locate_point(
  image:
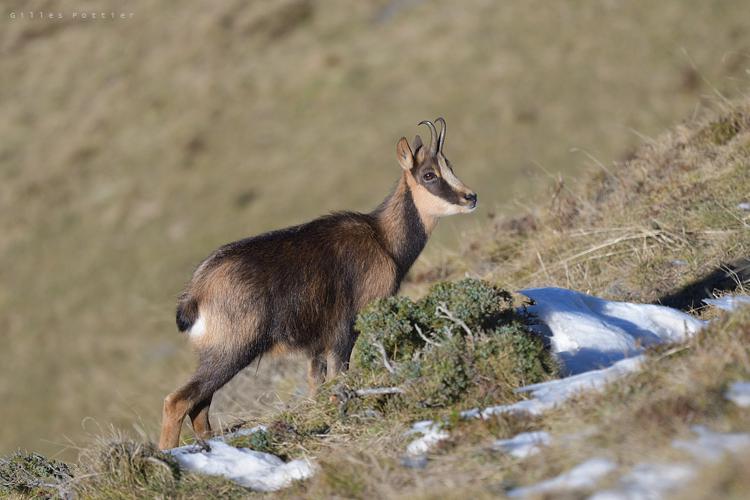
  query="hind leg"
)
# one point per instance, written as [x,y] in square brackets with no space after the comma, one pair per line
[199,419]
[194,398]
[189,399]
[176,406]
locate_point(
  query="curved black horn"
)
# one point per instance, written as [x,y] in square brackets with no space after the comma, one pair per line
[433,134]
[441,137]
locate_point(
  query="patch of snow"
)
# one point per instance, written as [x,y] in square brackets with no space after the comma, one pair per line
[523,445]
[744,205]
[648,481]
[711,446]
[654,480]
[728,302]
[547,395]
[557,391]
[252,469]
[421,427]
[587,332]
[584,475]
[739,393]
[432,434]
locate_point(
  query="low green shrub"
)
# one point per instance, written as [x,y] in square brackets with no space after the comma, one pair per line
[463,340]
[261,440]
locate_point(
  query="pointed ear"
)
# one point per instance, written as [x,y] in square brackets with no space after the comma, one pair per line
[417,142]
[421,155]
[404,154]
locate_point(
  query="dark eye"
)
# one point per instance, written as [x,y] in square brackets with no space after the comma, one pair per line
[429,176]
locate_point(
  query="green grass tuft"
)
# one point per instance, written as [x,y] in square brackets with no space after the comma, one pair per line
[724,129]
[119,468]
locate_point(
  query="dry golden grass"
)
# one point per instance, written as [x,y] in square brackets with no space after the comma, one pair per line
[694,179]
[639,231]
[131,149]
[597,234]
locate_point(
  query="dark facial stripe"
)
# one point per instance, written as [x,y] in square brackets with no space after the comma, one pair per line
[439,187]
[442,189]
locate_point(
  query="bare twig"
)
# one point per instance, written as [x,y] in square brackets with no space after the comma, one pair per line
[377,391]
[442,312]
[424,337]
[343,395]
[673,351]
[386,363]
[447,332]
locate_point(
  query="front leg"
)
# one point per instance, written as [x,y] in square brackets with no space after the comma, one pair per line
[316,373]
[338,358]
[335,365]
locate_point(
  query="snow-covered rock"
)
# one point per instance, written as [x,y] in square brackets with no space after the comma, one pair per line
[728,302]
[523,445]
[710,446]
[252,469]
[584,475]
[587,332]
[432,434]
[648,481]
[652,481]
[547,395]
[739,393]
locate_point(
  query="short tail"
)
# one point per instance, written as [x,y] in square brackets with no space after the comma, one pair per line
[187,312]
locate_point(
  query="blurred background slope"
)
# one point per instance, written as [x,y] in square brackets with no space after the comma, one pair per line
[129,149]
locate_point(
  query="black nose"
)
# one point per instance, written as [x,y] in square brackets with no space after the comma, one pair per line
[472,197]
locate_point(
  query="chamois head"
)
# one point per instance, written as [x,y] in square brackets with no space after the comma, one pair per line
[436,190]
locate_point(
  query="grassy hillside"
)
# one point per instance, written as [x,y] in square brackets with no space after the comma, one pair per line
[678,203]
[666,226]
[130,149]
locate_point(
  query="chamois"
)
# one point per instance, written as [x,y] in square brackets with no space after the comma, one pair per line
[301,288]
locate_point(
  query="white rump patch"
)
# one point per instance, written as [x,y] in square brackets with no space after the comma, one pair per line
[198,328]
